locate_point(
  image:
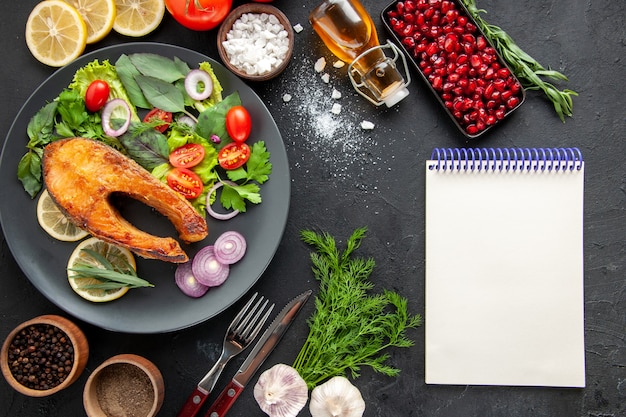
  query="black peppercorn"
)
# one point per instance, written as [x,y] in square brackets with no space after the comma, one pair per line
[40,356]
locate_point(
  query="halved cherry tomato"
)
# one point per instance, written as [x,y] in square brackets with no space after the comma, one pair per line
[97,95]
[187,156]
[186,182]
[233,155]
[238,123]
[162,115]
[199,14]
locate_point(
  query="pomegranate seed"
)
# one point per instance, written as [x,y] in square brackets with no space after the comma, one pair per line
[432,49]
[481,43]
[461,20]
[503,72]
[451,43]
[512,102]
[471,129]
[475,61]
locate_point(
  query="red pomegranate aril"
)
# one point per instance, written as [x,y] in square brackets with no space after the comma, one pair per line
[475,61]
[512,102]
[462,69]
[451,43]
[462,20]
[453,77]
[432,49]
[462,59]
[503,72]
[491,120]
[499,84]
[471,129]
[481,43]
[437,83]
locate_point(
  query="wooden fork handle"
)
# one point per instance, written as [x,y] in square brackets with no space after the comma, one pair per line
[193,403]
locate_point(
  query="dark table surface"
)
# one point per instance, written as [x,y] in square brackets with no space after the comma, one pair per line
[343,177]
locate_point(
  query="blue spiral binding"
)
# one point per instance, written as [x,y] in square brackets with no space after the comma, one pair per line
[506,159]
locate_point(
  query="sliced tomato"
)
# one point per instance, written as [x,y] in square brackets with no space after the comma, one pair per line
[238,123]
[162,115]
[186,182]
[187,156]
[233,155]
[199,14]
[97,95]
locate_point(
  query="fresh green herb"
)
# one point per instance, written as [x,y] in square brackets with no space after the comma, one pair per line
[247,179]
[112,276]
[525,67]
[350,328]
[212,121]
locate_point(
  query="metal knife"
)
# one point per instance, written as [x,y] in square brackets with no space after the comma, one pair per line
[257,356]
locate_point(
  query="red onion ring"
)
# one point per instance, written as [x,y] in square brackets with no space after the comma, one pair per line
[107,112]
[207,269]
[193,79]
[213,213]
[229,247]
[187,283]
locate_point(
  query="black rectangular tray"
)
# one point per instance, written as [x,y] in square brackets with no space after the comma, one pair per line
[461,123]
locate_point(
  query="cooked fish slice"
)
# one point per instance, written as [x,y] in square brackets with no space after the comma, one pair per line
[82,174]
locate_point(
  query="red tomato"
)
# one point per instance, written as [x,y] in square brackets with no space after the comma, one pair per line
[187,156]
[186,182]
[165,116]
[233,155]
[97,95]
[199,14]
[238,123]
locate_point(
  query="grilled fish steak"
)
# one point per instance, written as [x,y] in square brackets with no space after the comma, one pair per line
[82,174]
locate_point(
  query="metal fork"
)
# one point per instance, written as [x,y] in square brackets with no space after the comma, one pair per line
[242,331]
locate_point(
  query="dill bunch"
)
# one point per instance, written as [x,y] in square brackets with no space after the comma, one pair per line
[350,328]
[531,73]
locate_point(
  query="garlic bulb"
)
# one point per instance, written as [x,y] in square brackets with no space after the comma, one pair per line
[281,391]
[337,397]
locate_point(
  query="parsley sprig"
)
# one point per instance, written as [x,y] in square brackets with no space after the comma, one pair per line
[531,73]
[350,328]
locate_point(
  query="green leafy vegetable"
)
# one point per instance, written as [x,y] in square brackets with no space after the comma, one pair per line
[126,71]
[95,70]
[212,121]
[159,67]
[147,146]
[350,328]
[161,94]
[525,67]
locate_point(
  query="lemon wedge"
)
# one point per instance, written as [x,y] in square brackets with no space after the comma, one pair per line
[99,16]
[54,222]
[56,33]
[117,255]
[137,18]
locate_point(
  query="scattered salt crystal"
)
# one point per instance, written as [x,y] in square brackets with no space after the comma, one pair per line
[326,77]
[320,64]
[338,64]
[336,109]
[298,28]
[286,97]
[335,94]
[367,125]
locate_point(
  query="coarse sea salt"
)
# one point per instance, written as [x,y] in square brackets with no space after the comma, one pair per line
[257,43]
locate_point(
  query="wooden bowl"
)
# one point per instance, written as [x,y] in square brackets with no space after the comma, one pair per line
[15,349]
[123,383]
[226,26]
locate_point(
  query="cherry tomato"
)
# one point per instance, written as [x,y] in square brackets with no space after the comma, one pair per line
[199,14]
[187,156]
[186,182]
[163,115]
[97,95]
[238,123]
[233,155]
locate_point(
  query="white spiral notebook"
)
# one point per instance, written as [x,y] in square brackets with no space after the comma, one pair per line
[504,267]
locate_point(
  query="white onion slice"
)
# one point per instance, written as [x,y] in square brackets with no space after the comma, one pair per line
[107,113]
[198,78]
[209,209]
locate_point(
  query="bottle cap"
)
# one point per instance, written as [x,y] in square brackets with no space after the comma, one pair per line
[395,97]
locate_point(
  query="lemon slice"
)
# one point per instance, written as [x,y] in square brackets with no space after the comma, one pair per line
[54,222]
[117,255]
[99,16]
[56,34]
[138,17]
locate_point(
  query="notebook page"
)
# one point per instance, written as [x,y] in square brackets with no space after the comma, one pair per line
[504,278]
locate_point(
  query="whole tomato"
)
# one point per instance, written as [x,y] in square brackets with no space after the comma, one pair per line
[199,14]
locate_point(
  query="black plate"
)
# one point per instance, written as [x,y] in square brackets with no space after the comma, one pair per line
[163,308]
